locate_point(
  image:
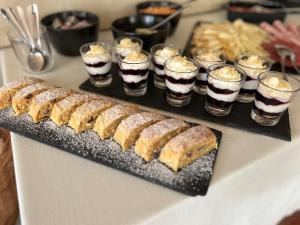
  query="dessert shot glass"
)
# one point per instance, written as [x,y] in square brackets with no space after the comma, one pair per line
[274,94]
[122,46]
[223,85]
[205,61]
[22,50]
[180,81]
[253,67]
[160,53]
[98,61]
[135,74]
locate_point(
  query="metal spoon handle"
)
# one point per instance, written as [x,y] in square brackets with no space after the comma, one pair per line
[13,21]
[294,65]
[282,63]
[169,17]
[36,22]
[25,24]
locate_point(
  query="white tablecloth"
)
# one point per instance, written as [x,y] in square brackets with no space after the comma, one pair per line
[255,180]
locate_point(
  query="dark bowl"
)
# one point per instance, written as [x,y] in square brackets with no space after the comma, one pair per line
[126,27]
[254,17]
[175,5]
[68,42]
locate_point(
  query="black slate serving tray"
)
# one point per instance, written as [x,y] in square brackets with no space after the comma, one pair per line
[155,98]
[192,180]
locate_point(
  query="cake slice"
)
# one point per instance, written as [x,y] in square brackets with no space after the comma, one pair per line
[8,91]
[107,122]
[42,104]
[154,137]
[130,128]
[63,109]
[187,147]
[84,116]
[22,99]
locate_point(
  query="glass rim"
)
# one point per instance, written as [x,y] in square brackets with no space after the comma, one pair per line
[144,52]
[248,67]
[221,60]
[282,74]
[243,77]
[14,36]
[130,37]
[188,58]
[104,44]
[163,45]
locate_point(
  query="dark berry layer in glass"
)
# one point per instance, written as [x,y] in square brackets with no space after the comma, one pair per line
[268,101]
[264,113]
[159,66]
[217,103]
[202,70]
[247,91]
[180,80]
[98,75]
[135,72]
[200,82]
[98,64]
[132,85]
[218,90]
[178,94]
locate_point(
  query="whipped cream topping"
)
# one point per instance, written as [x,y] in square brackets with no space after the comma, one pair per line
[97,53]
[253,61]
[167,52]
[127,43]
[278,83]
[135,57]
[181,64]
[209,56]
[96,50]
[276,88]
[226,73]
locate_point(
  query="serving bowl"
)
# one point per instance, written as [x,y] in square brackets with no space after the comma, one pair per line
[126,26]
[173,5]
[68,42]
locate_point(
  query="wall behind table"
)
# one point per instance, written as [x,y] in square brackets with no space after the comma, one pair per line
[108,10]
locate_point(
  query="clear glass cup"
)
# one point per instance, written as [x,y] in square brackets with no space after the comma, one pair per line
[98,66]
[120,52]
[270,103]
[21,49]
[248,90]
[135,75]
[222,93]
[201,80]
[180,84]
[158,62]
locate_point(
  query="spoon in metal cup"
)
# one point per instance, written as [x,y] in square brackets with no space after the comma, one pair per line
[36,59]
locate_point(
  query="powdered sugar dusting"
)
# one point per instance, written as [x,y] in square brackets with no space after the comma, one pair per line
[192,180]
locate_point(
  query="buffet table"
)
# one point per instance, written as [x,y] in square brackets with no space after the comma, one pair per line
[255,180]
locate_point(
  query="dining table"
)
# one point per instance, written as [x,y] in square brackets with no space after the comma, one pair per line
[255,180]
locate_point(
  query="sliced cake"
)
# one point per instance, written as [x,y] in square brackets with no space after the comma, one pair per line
[41,105]
[22,99]
[63,109]
[107,122]
[8,91]
[187,147]
[84,116]
[154,137]
[130,128]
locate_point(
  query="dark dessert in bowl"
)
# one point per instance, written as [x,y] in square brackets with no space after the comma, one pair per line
[126,26]
[160,9]
[69,30]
